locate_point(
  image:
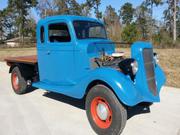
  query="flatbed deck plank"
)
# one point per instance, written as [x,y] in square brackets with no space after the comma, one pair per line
[32,59]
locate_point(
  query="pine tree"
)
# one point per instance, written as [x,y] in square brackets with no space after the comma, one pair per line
[98,14]
[21,9]
[126,13]
[130,33]
[74,8]
[142,21]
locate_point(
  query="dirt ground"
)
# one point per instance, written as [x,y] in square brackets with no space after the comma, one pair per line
[169,60]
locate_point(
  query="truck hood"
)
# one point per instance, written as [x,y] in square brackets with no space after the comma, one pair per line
[94,47]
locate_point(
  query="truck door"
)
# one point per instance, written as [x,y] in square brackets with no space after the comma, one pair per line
[55,56]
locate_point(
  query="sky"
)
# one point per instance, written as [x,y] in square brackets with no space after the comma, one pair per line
[157,12]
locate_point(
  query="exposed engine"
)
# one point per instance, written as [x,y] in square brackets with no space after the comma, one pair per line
[110,60]
[117,61]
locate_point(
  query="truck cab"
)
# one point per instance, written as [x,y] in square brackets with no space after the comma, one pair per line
[64,50]
[75,58]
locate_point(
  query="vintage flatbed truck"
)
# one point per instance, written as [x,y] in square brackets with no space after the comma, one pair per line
[75,58]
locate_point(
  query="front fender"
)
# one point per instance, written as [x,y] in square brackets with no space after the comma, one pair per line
[122,85]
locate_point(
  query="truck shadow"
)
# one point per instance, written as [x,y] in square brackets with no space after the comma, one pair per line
[137,110]
[80,103]
[31,89]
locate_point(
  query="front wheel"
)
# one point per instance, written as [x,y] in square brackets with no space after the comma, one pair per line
[105,113]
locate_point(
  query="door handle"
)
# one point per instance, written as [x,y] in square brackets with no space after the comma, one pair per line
[48,52]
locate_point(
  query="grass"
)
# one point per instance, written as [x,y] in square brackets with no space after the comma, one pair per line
[169,60]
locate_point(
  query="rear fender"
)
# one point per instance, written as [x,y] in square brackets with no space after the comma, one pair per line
[26,70]
[13,66]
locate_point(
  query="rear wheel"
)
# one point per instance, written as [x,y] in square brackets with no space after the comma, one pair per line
[105,113]
[18,81]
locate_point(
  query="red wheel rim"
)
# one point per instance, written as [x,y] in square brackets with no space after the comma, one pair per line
[15,81]
[102,123]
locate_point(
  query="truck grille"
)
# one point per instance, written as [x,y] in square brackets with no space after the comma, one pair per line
[149,70]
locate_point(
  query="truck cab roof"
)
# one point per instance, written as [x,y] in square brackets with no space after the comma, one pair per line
[69,18]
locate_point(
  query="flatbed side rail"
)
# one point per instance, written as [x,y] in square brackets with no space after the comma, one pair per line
[32,60]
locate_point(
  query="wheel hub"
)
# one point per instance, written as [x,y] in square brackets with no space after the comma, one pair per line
[102,111]
[15,81]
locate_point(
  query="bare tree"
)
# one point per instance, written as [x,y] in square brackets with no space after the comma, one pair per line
[46,8]
[174,21]
[151,3]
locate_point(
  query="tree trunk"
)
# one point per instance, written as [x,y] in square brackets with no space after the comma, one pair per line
[151,31]
[19,34]
[174,22]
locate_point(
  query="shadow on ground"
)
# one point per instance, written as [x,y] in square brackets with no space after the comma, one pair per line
[137,110]
[80,103]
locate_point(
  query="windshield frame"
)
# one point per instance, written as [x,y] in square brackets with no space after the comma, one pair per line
[91,21]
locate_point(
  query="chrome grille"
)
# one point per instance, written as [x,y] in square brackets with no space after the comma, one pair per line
[149,70]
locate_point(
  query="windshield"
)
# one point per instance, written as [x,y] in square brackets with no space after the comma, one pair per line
[88,29]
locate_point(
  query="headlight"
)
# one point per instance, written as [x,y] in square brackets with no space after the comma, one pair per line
[129,67]
[134,66]
[156,58]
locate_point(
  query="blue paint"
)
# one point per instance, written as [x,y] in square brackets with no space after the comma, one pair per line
[65,67]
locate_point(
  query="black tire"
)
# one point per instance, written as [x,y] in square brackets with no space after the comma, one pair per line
[21,86]
[118,111]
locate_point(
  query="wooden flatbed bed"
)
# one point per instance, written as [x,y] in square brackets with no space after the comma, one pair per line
[32,60]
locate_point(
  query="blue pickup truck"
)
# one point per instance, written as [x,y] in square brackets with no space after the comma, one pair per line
[75,58]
